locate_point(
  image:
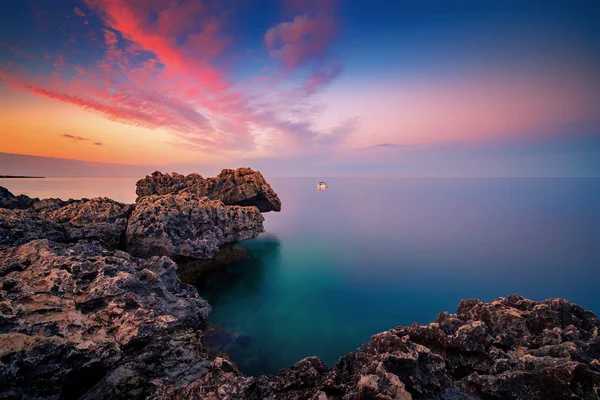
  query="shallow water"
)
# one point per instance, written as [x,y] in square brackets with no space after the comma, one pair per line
[365,255]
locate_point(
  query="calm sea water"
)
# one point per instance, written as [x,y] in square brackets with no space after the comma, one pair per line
[365,255]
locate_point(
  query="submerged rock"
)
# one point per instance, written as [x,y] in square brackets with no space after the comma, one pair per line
[242,187]
[184,225]
[10,201]
[511,348]
[196,271]
[81,321]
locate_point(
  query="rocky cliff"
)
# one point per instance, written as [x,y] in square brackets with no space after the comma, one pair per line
[184,225]
[10,201]
[242,187]
[174,215]
[81,321]
[81,318]
[99,219]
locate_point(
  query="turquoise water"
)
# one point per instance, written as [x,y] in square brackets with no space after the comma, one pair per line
[366,255]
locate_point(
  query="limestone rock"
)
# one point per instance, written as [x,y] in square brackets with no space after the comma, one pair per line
[243,187]
[183,225]
[21,226]
[99,219]
[10,201]
[79,320]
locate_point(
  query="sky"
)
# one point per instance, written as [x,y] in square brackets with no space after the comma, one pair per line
[301,88]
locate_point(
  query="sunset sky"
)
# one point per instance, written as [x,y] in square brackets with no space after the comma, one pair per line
[313,88]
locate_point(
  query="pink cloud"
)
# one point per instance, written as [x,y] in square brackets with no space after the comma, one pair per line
[159,71]
[78,12]
[321,75]
[300,41]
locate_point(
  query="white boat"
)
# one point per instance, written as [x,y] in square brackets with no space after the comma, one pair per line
[321,185]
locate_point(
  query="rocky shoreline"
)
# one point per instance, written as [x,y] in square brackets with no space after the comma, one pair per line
[91,307]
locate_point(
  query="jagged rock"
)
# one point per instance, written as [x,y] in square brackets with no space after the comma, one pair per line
[81,321]
[10,201]
[21,226]
[510,348]
[242,187]
[100,219]
[184,225]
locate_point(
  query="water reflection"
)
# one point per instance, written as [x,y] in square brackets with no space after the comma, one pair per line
[234,293]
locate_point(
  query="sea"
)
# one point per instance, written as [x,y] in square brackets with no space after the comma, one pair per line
[336,266]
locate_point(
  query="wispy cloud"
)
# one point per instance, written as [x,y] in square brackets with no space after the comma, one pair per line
[387,146]
[78,12]
[160,66]
[75,138]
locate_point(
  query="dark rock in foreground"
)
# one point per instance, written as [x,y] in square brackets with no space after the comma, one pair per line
[80,321]
[511,348]
[183,225]
[242,187]
[10,201]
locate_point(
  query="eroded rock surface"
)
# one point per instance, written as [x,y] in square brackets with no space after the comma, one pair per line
[511,348]
[81,321]
[185,225]
[18,227]
[242,187]
[99,219]
[10,201]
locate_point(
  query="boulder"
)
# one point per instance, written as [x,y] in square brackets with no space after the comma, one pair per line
[185,225]
[242,187]
[81,321]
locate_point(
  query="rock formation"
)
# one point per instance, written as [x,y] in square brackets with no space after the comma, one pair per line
[99,219]
[183,225]
[510,348]
[79,320]
[10,201]
[21,226]
[242,187]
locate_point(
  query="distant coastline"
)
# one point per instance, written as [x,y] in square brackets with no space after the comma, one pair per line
[18,177]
